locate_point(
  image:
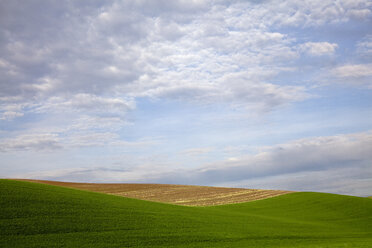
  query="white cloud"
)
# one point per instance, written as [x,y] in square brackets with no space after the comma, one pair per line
[343,158]
[103,139]
[9,115]
[67,139]
[111,43]
[303,13]
[350,181]
[38,142]
[364,47]
[10,111]
[197,151]
[353,71]
[177,50]
[340,164]
[318,48]
[88,102]
[168,50]
[84,122]
[359,13]
[356,75]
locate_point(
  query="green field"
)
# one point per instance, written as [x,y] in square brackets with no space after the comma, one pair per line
[38,215]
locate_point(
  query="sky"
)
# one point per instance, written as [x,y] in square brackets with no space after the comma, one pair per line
[253,94]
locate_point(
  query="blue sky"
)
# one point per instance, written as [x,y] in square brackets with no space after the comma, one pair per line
[255,94]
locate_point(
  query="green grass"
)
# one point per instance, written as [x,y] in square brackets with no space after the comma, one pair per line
[38,215]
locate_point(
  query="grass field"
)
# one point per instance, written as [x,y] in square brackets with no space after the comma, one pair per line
[39,215]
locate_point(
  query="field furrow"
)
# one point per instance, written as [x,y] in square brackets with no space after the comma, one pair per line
[187,195]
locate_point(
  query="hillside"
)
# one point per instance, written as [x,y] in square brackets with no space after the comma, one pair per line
[186,195]
[40,215]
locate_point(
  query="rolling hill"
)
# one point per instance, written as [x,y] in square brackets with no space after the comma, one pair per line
[187,195]
[40,215]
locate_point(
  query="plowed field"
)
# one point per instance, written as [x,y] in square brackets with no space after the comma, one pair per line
[175,194]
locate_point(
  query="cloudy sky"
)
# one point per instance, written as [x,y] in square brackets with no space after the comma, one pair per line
[256,94]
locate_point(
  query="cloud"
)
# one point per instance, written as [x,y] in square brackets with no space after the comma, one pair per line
[10,111]
[36,142]
[50,63]
[68,140]
[103,139]
[312,154]
[307,13]
[353,74]
[84,122]
[350,181]
[359,13]
[318,48]
[332,161]
[9,115]
[344,158]
[364,47]
[108,50]
[156,49]
[353,71]
[197,151]
[107,42]
[87,103]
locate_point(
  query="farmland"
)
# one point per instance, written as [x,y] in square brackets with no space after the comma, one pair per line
[186,195]
[40,215]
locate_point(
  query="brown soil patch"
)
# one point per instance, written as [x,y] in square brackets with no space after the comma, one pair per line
[175,194]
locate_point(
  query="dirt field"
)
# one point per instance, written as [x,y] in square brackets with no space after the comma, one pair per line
[174,194]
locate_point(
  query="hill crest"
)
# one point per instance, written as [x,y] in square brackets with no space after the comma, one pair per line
[187,195]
